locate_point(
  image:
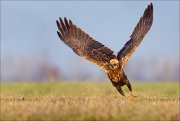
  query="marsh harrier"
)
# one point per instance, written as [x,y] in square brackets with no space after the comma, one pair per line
[87,47]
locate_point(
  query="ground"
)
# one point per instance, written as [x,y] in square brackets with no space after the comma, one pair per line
[89,101]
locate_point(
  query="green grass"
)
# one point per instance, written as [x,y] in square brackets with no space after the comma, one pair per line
[89,101]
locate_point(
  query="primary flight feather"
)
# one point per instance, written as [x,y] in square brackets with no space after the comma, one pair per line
[87,47]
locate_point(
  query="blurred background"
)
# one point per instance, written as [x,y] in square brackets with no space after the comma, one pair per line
[32,51]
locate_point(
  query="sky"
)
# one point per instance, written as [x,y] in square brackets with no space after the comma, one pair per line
[29,28]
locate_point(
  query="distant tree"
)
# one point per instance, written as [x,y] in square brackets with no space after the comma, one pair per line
[29,68]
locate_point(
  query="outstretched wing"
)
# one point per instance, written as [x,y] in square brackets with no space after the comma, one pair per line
[83,45]
[137,36]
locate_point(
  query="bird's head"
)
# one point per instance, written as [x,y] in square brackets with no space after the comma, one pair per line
[121,83]
[114,63]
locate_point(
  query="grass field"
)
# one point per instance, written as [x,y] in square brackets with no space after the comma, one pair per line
[89,101]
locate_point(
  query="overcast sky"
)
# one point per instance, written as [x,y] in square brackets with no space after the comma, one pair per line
[29,28]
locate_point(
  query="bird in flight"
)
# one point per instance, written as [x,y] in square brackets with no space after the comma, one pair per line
[87,47]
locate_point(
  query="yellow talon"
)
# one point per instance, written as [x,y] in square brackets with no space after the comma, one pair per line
[133,95]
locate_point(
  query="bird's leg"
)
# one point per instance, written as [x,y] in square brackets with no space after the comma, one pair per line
[120,90]
[130,89]
[129,85]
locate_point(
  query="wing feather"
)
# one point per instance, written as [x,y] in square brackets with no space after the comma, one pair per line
[83,45]
[137,36]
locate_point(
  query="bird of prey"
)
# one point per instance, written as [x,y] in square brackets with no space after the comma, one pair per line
[87,47]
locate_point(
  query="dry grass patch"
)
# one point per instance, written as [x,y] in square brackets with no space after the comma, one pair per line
[88,101]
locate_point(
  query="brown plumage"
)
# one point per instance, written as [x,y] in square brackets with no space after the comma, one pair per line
[85,46]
